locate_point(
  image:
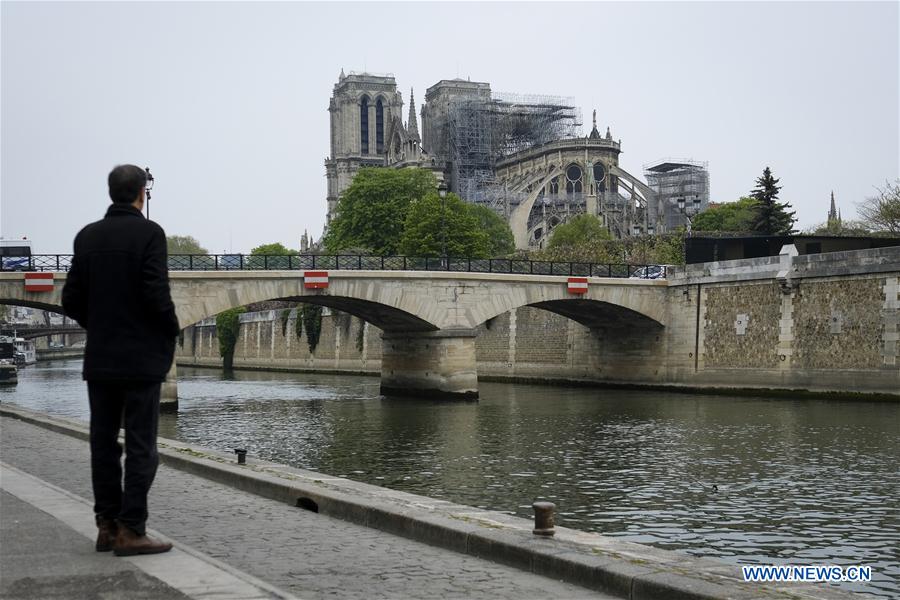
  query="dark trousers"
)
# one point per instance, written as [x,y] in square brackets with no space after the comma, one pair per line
[139,405]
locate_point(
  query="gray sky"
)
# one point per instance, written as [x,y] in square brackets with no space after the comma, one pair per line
[226,102]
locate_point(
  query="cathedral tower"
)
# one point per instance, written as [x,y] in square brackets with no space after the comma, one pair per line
[362,110]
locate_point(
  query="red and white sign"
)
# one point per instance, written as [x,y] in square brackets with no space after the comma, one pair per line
[578,285]
[315,280]
[38,282]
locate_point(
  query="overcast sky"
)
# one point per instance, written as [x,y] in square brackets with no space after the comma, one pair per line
[227,102]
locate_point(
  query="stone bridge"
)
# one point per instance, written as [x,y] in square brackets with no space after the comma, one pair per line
[428,318]
[30,332]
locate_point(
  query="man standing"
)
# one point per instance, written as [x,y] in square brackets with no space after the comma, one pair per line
[118,290]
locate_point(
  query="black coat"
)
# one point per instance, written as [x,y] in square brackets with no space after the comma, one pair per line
[118,290]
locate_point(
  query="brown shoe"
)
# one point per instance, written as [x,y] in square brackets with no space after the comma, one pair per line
[128,543]
[106,534]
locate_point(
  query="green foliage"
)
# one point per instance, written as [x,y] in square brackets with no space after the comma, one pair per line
[361,336]
[184,244]
[840,228]
[666,249]
[311,315]
[372,211]
[737,217]
[228,326]
[881,213]
[273,249]
[285,317]
[434,224]
[584,239]
[500,237]
[583,229]
[298,322]
[772,218]
[654,249]
[270,256]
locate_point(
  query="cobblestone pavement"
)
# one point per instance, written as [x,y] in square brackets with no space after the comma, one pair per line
[310,555]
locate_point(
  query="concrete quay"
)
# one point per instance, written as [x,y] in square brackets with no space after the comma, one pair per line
[251,517]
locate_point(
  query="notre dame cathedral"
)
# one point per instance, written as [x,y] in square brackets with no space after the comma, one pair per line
[523,156]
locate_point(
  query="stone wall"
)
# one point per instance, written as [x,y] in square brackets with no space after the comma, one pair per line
[822,323]
[741,326]
[838,325]
[268,339]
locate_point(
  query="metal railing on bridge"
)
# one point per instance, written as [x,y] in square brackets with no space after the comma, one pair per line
[357,262]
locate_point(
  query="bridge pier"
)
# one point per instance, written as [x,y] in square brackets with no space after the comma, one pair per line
[434,364]
[168,395]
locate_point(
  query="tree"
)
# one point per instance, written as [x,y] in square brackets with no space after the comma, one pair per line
[228,327]
[736,217]
[277,256]
[881,213]
[436,225]
[840,228]
[273,249]
[184,244]
[500,236]
[371,212]
[583,229]
[582,239]
[772,218]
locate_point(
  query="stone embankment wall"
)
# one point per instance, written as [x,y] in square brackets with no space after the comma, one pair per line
[824,322]
[820,322]
[528,342]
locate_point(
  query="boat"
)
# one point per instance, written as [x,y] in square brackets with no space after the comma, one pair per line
[8,371]
[26,350]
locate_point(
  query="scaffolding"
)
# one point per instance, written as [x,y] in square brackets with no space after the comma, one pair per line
[682,189]
[480,132]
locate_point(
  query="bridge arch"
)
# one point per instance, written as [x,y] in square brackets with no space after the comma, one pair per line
[51,305]
[639,304]
[597,314]
[389,310]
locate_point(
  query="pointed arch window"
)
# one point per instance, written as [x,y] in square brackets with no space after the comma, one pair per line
[379,126]
[364,125]
[574,177]
[600,177]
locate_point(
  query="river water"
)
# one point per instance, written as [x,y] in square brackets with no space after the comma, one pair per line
[746,480]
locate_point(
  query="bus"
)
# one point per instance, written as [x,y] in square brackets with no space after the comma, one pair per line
[15,255]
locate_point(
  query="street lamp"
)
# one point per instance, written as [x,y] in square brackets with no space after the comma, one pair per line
[148,187]
[687,217]
[442,192]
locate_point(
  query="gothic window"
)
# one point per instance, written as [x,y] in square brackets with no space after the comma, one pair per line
[573,179]
[364,125]
[379,127]
[599,175]
[554,186]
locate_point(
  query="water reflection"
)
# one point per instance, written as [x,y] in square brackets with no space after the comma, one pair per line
[744,479]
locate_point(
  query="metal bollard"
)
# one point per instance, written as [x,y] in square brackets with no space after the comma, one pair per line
[543,518]
[242,455]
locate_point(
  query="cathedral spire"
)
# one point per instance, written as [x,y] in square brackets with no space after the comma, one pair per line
[412,126]
[832,213]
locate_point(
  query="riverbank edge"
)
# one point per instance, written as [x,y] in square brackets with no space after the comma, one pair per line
[590,560]
[707,390]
